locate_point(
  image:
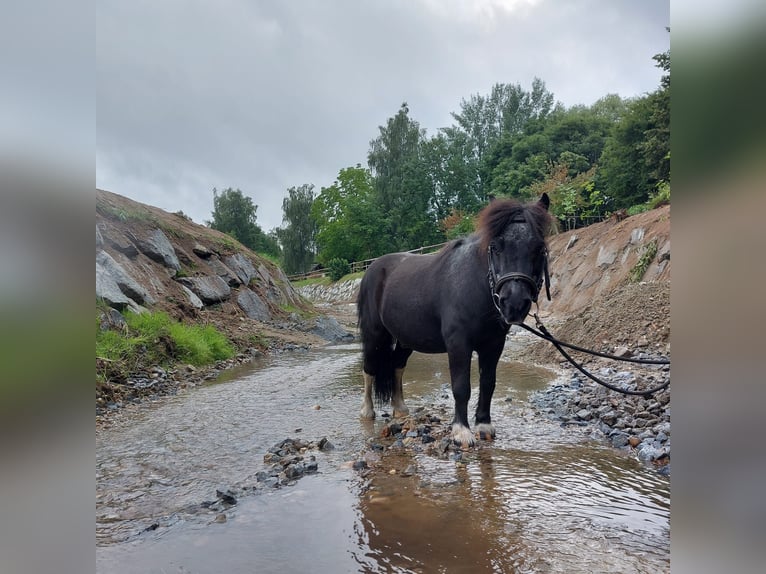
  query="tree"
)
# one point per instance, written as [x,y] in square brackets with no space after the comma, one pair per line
[348,222]
[623,170]
[298,234]
[656,145]
[235,214]
[402,189]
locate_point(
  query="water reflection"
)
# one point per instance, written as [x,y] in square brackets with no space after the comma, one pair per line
[540,499]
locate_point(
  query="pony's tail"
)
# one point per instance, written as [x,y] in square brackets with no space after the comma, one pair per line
[377,342]
[382,365]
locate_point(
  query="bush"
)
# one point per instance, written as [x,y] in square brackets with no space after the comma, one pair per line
[338,268]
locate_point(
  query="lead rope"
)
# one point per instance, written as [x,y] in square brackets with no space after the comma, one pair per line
[543,333]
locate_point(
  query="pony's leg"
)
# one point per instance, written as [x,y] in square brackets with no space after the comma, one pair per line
[367,412]
[488,359]
[397,399]
[460,375]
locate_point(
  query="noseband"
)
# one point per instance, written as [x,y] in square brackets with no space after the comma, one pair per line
[495,282]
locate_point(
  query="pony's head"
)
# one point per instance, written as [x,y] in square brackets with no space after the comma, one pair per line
[513,237]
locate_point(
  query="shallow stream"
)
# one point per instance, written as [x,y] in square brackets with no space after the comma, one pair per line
[541,498]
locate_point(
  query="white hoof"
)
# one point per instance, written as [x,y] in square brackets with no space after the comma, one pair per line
[367,412]
[485,431]
[462,435]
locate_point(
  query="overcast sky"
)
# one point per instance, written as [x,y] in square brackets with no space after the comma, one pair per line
[266,95]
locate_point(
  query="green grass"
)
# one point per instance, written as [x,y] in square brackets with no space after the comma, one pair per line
[157,339]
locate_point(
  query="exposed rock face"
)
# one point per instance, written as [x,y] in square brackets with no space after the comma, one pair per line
[163,261]
[156,246]
[242,266]
[210,289]
[114,285]
[253,306]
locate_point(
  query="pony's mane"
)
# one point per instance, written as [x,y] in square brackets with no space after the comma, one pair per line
[499,213]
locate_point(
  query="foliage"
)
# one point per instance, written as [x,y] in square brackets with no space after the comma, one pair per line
[347,218]
[457,224]
[298,236]
[235,214]
[338,268]
[157,339]
[661,196]
[647,255]
[511,142]
[403,190]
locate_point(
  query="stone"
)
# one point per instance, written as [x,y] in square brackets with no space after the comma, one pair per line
[226,495]
[622,352]
[158,248]
[194,301]
[634,441]
[242,266]
[253,306]
[209,288]
[201,251]
[295,470]
[217,266]
[114,285]
[120,242]
[584,414]
[605,257]
[329,329]
[112,319]
[619,440]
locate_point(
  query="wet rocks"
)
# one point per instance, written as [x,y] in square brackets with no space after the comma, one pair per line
[635,423]
[287,462]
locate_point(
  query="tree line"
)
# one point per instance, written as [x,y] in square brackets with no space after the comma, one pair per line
[512,142]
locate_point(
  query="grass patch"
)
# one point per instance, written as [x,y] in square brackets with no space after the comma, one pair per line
[157,339]
[639,269]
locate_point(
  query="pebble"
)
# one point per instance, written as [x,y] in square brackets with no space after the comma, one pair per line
[627,422]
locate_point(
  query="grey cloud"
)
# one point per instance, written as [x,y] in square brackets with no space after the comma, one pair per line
[268,95]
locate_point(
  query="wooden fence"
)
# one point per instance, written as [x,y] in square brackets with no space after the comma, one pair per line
[358,266]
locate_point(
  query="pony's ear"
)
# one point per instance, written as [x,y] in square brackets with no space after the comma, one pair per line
[545,201]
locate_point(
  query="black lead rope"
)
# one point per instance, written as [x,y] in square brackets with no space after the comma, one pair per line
[543,333]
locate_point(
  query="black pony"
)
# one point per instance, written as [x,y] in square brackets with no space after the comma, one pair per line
[462,299]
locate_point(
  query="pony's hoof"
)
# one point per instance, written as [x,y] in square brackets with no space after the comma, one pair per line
[462,436]
[401,411]
[367,414]
[485,431]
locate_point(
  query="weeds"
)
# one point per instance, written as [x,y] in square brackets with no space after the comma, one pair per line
[639,269]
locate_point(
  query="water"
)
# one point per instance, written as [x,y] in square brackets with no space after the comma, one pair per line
[541,498]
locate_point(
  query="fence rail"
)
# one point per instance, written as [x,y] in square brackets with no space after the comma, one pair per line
[358,266]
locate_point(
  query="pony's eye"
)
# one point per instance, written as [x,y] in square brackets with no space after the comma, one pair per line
[497,245]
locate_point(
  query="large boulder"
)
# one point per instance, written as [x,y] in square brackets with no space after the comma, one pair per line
[330,330]
[253,306]
[210,289]
[242,266]
[156,246]
[115,285]
[223,271]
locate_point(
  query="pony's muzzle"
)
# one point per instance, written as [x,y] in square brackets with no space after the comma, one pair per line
[514,301]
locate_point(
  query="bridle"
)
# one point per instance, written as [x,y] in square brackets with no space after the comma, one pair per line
[495,282]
